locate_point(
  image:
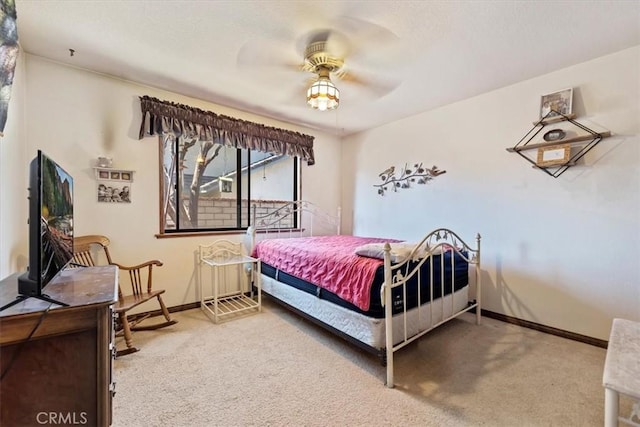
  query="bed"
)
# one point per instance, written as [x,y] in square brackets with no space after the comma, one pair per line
[378,293]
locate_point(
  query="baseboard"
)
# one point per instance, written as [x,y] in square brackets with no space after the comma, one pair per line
[546,329]
[502,317]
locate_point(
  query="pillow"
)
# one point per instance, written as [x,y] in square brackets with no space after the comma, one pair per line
[400,251]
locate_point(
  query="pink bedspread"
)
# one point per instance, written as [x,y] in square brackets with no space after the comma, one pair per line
[329,262]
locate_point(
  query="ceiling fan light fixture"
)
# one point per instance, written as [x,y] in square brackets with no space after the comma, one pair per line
[323,95]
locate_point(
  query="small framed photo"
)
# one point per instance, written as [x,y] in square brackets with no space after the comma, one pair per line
[125,176]
[113,192]
[556,155]
[556,103]
[103,174]
[115,175]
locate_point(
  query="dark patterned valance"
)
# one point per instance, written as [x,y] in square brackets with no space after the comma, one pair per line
[163,117]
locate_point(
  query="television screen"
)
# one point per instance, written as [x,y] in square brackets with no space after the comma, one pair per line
[56,219]
[50,228]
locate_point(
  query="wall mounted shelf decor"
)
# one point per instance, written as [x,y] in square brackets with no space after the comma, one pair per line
[114,185]
[559,149]
[108,174]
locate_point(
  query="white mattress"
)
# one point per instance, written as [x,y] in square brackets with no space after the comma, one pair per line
[366,329]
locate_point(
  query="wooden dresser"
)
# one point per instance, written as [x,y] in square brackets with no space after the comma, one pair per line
[62,374]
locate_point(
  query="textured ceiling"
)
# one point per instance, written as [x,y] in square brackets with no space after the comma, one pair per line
[431,53]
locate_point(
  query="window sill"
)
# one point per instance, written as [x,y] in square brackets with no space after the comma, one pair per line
[223,232]
[198,233]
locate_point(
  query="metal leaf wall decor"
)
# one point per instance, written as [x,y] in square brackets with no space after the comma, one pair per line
[418,174]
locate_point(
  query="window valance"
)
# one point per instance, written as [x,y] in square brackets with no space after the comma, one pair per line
[164,117]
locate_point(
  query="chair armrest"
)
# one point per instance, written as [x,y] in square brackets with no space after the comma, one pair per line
[136,275]
[139,266]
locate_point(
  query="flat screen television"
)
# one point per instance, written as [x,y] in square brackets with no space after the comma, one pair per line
[50,226]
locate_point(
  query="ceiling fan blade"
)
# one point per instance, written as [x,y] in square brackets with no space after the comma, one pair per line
[359,30]
[379,86]
[347,36]
[365,36]
[264,53]
[296,95]
[336,43]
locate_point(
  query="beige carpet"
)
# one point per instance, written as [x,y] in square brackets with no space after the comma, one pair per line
[276,369]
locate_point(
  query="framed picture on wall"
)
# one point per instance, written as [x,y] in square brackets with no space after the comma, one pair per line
[113,192]
[109,174]
[556,155]
[9,50]
[556,103]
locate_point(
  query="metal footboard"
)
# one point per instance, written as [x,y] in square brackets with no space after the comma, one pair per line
[437,242]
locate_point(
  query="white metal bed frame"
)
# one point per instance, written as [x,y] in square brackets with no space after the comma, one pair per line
[310,216]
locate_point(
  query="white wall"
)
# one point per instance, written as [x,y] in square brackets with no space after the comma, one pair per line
[561,252]
[14,167]
[74,116]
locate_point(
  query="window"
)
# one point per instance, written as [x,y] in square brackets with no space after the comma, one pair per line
[207,186]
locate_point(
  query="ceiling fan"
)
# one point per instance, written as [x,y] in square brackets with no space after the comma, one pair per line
[322,94]
[328,53]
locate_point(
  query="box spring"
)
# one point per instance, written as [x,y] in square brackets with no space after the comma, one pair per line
[376,310]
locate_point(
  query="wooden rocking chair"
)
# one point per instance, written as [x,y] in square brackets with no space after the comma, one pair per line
[83,255]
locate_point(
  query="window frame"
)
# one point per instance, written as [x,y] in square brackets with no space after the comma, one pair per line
[239,228]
